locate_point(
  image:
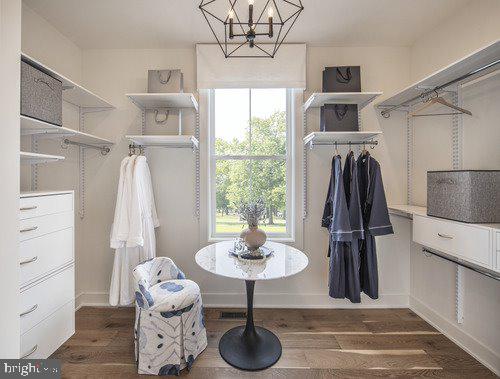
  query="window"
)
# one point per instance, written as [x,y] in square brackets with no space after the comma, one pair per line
[250,159]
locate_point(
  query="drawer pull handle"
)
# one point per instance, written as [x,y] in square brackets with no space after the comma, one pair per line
[445,236]
[32,309]
[35,348]
[28,208]
[29,229]
[29,260]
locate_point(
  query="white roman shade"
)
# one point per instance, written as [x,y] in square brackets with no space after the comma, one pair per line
[286,70]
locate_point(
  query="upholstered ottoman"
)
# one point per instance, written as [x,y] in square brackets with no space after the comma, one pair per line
[169,326]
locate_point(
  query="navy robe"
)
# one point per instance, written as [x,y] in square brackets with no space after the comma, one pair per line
[350,176]
[375,219]
[336,219]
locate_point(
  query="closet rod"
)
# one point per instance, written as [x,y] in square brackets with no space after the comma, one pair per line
[462,263]
[104,149]
[424,95]
[333,143]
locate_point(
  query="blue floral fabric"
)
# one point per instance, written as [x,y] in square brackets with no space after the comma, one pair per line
[170,328]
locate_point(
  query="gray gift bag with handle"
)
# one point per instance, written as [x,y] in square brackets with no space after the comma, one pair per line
[165,81]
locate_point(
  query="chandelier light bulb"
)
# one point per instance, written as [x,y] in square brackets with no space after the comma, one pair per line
[270,12]
[231,14]
[250,2]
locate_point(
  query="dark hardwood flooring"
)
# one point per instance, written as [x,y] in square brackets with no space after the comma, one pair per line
[361,343]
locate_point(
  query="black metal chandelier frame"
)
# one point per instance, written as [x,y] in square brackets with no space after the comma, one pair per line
[230,49]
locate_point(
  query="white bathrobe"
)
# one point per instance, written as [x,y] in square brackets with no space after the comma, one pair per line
[132,234]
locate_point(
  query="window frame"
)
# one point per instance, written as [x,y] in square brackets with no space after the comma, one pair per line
[289,235]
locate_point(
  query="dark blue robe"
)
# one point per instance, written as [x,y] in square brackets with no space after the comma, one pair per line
[375,220]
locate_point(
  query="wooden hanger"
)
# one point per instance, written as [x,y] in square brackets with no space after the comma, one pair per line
[439,100]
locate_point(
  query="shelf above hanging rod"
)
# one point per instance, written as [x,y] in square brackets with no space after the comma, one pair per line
[481,62]
[167,141]
[341,138]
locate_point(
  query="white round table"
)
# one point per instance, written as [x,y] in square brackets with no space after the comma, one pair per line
[251,347]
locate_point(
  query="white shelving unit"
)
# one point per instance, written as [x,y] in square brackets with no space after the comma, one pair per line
[72,92]
[173,141]
[31,126]
[479,63]
[35,158]
[361,99]
[163,100]
[87,102]
[330,138]
[167,101]
[318,99]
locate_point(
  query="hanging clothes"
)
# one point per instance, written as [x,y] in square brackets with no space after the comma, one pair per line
[148,216]
[336,219]
[132,233]
[350,176]
[376,220]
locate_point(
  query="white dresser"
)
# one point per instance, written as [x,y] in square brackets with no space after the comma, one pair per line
[47,272]
[478,244]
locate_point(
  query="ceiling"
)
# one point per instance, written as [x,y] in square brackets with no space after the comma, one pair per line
[103,24]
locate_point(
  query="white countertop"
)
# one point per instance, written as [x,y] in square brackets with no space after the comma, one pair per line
[409,211]
[285,261]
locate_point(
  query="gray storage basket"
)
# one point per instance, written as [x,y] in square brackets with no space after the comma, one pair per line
[165,81]
[469,195]
[41,95]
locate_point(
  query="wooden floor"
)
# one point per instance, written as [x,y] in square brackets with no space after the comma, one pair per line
[316,344]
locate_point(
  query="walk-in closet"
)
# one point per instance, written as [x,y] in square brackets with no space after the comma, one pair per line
[250,188]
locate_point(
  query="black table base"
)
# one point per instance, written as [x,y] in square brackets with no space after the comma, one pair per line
[249,347]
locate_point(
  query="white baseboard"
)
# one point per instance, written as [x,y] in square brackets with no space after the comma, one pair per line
[267,300]
[471,345]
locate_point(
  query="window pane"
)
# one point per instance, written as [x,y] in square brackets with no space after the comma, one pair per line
[231,121]
[232,187]
[268,183]
[242,181]
[268,122]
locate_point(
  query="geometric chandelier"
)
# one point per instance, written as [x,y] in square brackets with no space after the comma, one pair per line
[250,28]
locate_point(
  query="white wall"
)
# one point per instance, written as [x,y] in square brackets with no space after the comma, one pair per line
[10,42]
[112,73]
[433,280]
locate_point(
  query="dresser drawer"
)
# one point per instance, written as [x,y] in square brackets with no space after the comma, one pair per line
[44,205]
[40,255]
[467,242]
[46,337]
[43,298]
[38,226]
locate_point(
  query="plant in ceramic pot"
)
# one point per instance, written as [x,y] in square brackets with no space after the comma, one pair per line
[252,213]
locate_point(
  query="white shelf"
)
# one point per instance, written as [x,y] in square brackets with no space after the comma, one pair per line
[362,99]
[458,69]
[406,210]
[72,93]
[318,138]
[163,100]
[31,126]
[25,194]
[185,141]
[34,158]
